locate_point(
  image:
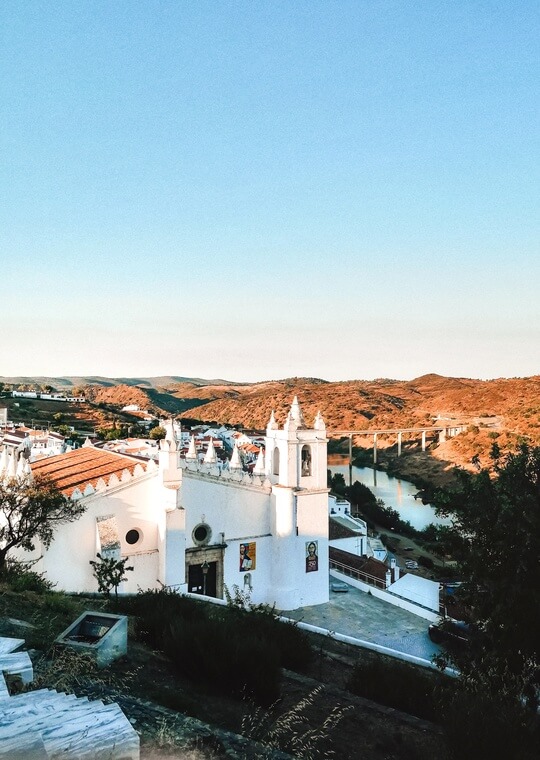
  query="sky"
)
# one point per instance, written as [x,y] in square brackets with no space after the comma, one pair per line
[256,190]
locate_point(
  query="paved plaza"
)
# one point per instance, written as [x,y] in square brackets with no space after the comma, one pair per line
[362,616]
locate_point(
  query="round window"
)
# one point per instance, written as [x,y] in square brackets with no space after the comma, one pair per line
[132,537]
[201,534]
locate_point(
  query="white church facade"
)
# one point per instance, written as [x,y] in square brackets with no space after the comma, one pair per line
[198,527]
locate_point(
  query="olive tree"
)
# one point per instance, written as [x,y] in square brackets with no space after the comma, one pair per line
[496,517]
[31,511]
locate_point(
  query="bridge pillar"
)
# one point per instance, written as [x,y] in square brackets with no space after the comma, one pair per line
[374,448]
[399,444]
[350,461]
[442,435]
[423,440]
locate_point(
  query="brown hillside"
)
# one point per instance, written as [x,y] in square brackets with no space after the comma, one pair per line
[502,410]
[118,395]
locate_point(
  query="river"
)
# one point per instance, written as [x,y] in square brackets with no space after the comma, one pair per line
[396,493]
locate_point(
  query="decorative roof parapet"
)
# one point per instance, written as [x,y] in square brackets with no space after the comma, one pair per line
[226,475]
[210,456]
[319,423]
[259,464]
[272,424]
[236,462]
[12,466]
[295,419]
[192,450]
[170,436]
[4,461]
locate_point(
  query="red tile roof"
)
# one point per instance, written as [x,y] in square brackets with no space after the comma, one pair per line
[78,468]
[367,565]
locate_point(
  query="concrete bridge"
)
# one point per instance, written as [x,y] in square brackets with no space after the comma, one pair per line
[443,432]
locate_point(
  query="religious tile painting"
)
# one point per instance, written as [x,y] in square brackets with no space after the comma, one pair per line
[312,556]
[248,556]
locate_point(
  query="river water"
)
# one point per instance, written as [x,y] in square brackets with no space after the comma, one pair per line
[396,493]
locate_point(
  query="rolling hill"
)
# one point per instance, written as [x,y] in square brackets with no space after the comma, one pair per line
[505,410]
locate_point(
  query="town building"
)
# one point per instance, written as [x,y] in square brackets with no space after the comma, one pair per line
[197,526]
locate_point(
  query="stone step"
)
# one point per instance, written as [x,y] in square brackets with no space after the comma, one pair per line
[29,747]
[51,715]
[67,727]
[105,733]
[8,645]
[17,664]
[48,703]
[50,725]
[96,744]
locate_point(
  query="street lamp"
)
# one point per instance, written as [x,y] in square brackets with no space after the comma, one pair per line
[204,567]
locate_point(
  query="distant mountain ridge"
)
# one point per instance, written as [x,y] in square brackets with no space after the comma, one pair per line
[70,381]
[345,405]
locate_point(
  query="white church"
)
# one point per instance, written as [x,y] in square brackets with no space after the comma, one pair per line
[197,527]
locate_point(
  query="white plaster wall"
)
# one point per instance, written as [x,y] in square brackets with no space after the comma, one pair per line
[261,592]
[135,506]
[230,508]
[312,520]
[144,575]
[299,517]
[354,545]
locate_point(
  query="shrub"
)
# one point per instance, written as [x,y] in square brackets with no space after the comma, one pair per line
[490,725]
[292,644]
[226,657]
[426,562]
[295,650]
[399,685]
[20,577]
[157,610]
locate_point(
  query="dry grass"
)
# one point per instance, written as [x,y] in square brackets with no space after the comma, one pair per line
[291,731]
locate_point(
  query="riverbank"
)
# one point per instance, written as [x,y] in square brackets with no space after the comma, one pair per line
[403,521]
[423,468]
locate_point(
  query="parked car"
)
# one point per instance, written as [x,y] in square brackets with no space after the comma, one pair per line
[339,587]
[450,633]
[411,564]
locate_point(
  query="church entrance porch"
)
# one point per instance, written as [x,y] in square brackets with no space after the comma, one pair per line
[204,571]
[202,579]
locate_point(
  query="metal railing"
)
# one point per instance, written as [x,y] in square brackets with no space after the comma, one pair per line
[357,574]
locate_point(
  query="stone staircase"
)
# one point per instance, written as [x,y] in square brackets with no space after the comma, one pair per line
[49,725]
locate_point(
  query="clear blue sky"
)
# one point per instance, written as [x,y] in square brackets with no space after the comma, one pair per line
[254,190]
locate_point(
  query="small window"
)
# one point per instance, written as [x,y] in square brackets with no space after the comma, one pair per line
[275,469]
[306,461]
[202,534]
[133,537]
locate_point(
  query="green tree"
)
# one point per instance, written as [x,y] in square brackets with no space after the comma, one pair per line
[497,523]
[157,433]
[31,511]
[110,573]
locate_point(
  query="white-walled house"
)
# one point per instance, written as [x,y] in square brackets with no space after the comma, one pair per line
[195,526]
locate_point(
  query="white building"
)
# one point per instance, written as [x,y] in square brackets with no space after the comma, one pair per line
[197,527]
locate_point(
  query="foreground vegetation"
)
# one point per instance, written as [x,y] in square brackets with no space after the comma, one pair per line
[234,652]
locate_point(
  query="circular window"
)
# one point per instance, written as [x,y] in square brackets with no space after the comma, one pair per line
[201,534]
[132,537]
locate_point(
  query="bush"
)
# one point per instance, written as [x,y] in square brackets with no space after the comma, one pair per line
[292,644]
[157,610]
[399,685]
[426,562]
[223,655]
[20,577]
[237,649]
[490,725]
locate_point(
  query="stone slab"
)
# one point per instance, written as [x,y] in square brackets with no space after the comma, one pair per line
[8,645]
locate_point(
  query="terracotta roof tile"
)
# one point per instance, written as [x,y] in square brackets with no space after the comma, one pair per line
[78,468]
[368,565]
